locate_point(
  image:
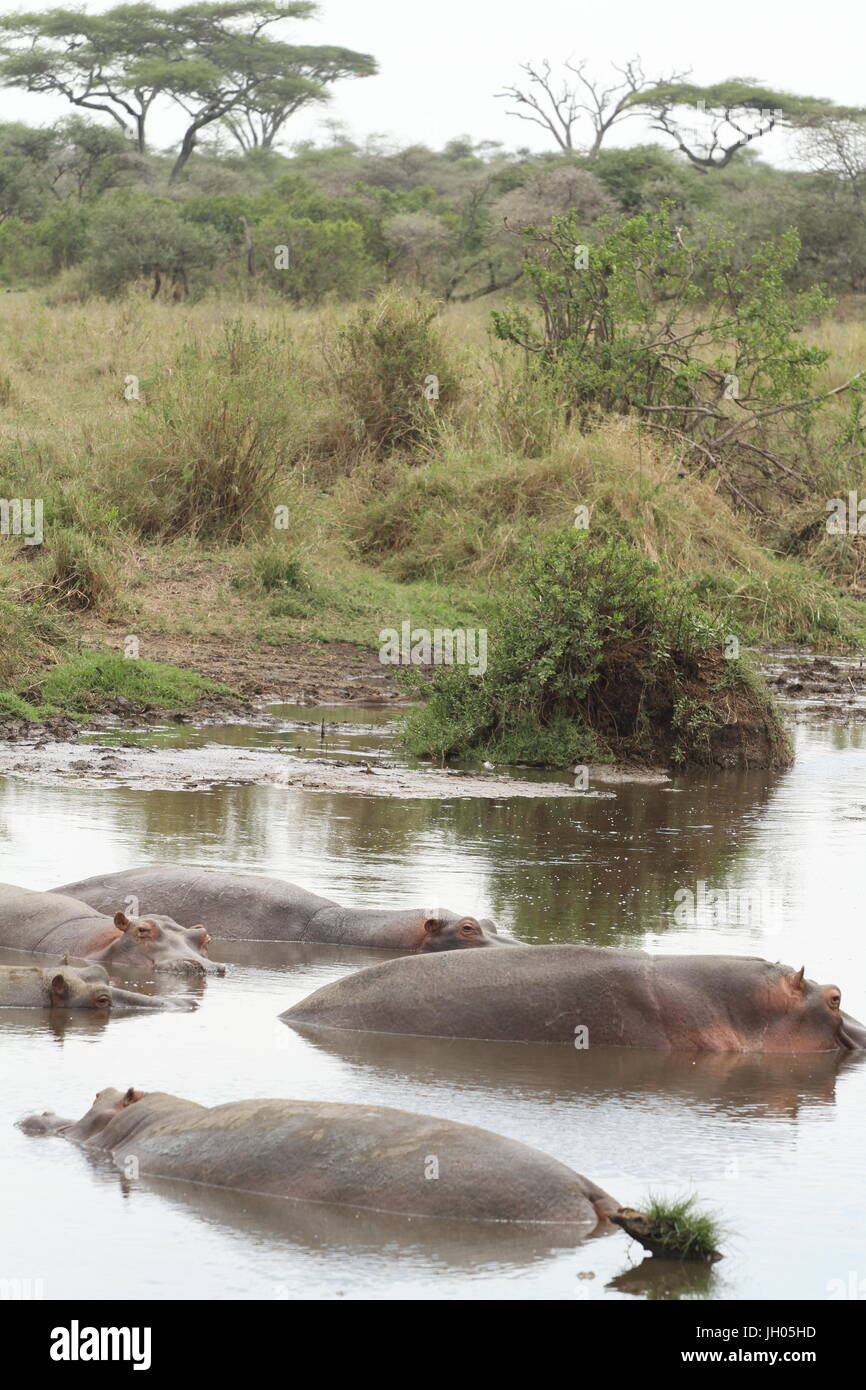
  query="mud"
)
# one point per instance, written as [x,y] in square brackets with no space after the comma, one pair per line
[809,685]
[142,768]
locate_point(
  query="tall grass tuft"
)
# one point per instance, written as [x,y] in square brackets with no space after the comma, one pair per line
[210,446]
[77,572]
[384,360]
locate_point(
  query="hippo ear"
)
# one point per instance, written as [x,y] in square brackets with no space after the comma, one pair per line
[432,925]
[60,987]
[121,920]
[796,982]
[131,1097]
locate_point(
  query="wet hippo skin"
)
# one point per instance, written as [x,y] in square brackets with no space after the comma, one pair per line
[56,924]
[590,996]
[252,907]
[354,1155]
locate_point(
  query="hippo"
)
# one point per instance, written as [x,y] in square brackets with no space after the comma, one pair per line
[249,907]
[359,1156]
[591,996]
[49,923]
[61,987]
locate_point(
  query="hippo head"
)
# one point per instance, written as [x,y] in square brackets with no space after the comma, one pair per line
[445,931]
[106,1105]
[807,1017]
[77,989]
[161,944]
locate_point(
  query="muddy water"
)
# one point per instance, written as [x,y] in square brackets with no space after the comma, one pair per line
[775,1145]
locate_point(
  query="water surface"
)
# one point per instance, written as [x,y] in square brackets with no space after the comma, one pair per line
[774,1144]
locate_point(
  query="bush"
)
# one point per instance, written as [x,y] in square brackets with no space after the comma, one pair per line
[271,568]
[384,358]
[684,331]
[134,236]
[322,258]
[593,657]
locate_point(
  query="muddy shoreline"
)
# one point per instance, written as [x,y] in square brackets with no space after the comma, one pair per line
[809,686]
[144,768]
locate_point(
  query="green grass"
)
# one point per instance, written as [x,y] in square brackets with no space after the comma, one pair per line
[14,707]
[92,679]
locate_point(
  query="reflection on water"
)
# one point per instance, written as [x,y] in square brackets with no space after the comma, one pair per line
[335,731]
[755,1137]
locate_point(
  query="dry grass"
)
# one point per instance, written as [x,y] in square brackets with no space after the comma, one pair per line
[378,538]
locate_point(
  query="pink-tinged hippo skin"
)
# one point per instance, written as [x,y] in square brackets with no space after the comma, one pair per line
[62,987]
[362,1156]
[250,907]
[590,996]
[55,924]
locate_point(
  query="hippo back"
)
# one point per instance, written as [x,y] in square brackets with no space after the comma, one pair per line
[33,921]
[354,1155]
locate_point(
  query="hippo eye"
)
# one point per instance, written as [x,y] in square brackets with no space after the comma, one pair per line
[835,999]
[102,1000]
[467,929]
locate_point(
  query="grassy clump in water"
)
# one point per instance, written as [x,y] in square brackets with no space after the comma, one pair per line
[595,655]
[94,679]
[673,1229]
[682,1232]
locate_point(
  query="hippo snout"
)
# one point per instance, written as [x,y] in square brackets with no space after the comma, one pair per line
[852,1035]
[186,966]
[45,1123]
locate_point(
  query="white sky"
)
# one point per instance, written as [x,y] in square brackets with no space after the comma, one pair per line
[442,61]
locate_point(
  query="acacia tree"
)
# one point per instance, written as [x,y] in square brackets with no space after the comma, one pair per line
[559,104]
[730,116]
[257,122]
[838,150]
[97,62]
[210,59]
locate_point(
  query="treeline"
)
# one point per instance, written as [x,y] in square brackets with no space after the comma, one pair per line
[78,200]
[225,208]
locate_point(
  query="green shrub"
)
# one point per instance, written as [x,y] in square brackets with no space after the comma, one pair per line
[29,637]
[274,568]
[135,236]
[592,656]
[321,258]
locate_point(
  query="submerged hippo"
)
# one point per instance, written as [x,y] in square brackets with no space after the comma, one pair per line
[61,987]
[591,996]
[353,1155]
[53,923]
[247,907]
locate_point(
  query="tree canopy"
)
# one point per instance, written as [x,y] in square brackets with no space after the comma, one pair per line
[213,61]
